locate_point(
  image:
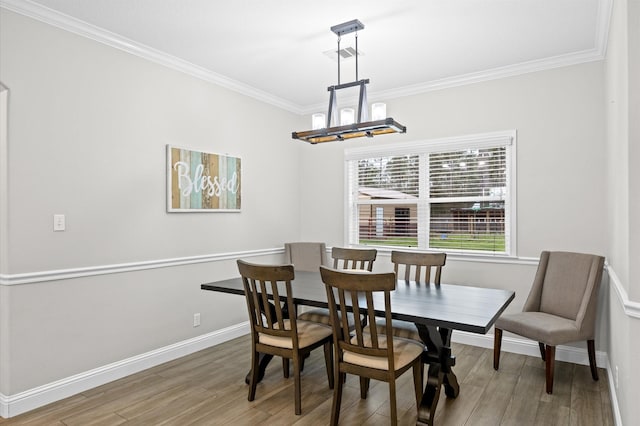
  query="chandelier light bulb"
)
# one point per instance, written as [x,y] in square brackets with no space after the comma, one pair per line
[378,111]
[318,121]
[347,116]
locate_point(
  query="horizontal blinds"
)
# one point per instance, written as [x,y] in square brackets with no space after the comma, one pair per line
[468,173]
[395,178]
[454,199]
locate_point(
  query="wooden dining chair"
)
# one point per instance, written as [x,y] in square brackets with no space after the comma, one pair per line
[561,308]
[343,258]
[350,258]
[272,332]
[363,351]
[424,269]
[414,266]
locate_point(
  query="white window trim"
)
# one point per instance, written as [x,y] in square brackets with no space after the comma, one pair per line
[480,140]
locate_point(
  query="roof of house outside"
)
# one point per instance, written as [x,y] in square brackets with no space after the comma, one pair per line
[383,193]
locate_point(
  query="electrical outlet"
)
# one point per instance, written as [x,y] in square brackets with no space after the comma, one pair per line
[59,222]
[615,379]
[196,320]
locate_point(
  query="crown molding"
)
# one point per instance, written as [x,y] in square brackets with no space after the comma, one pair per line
[84,29]
[575,58]
[597,53]
[68,23]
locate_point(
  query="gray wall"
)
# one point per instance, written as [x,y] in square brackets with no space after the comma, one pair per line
[622,83]
[88,129]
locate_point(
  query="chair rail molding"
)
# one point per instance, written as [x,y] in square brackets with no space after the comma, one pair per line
[63,274]
[630,307]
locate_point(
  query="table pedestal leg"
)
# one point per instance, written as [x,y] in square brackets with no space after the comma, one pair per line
[438,355]
[264,360]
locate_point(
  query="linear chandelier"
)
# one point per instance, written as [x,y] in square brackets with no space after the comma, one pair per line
[349,128]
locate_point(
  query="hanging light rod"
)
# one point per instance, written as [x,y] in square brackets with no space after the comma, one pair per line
[362,127]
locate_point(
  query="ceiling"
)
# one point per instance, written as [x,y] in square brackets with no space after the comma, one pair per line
[274,49]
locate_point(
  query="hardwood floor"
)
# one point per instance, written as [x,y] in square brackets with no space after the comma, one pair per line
[207,388]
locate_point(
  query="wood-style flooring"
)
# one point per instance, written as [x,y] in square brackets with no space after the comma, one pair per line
[207,388]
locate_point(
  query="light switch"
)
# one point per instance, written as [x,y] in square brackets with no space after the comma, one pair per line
[58,222]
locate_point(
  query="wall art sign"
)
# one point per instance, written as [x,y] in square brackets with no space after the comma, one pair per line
[202,181]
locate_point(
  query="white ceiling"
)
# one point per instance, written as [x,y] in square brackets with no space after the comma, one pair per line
[273,49]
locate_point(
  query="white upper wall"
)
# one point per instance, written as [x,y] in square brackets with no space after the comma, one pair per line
[88,127]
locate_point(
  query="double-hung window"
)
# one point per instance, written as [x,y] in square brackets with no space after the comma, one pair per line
[454,195]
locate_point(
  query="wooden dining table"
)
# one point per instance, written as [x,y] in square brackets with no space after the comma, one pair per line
[436,310]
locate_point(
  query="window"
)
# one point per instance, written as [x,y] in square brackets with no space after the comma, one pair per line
[453,194]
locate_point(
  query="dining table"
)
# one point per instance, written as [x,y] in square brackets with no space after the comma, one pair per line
[435,309]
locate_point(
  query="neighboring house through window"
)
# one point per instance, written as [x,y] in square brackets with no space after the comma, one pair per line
[453,194]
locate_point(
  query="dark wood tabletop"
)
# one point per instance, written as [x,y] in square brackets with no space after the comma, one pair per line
[456,307]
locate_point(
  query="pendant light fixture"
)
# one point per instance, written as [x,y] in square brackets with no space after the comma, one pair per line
[357,126]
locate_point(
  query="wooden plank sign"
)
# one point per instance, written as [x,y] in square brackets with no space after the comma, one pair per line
[201,181]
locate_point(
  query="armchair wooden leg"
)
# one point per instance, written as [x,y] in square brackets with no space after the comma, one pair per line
[497,344]
[591,347]
[550,356]
[285,367]
[542,350]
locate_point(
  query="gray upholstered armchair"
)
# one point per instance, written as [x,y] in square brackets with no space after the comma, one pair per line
[561,308]
[306,256]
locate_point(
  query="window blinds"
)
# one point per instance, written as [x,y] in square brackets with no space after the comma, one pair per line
[452,195]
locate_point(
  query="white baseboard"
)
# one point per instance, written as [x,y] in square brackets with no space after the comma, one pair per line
[613,392]
[529,347]
[22,402]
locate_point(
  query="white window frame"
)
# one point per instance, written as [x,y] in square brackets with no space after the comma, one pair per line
[505,138]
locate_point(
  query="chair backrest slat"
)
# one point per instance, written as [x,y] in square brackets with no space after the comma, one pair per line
[269,306]
[350,258]
[359,289]
[406,262]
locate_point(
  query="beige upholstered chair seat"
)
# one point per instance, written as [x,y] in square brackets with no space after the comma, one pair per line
[403,329]
[405,351]
[546,328]
[321,315]
[308,334]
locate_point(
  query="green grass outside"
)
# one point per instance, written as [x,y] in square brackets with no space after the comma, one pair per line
[481,242]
